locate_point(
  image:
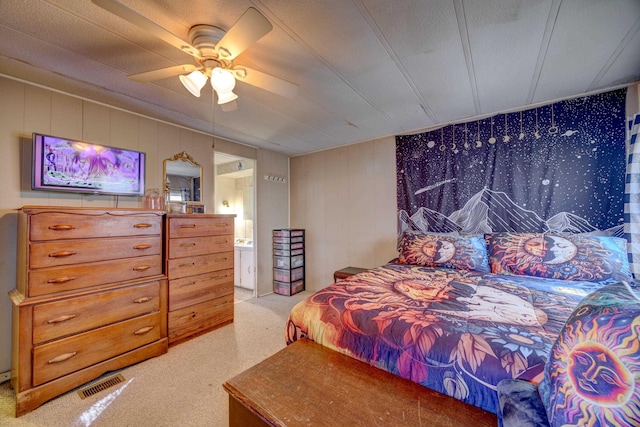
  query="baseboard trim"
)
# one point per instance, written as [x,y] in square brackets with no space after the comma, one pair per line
[5,376]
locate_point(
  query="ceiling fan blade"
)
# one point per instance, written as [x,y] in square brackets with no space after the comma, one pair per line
[163,73]
[247,30]
[229,106]
[265,81]
[124,12]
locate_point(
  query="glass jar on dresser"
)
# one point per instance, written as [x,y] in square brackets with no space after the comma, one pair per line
[199,265]
[91,297]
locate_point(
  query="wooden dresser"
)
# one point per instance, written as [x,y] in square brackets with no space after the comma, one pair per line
[91,297]
[199,257]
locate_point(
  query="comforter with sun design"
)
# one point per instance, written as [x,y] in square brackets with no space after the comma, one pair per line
[457,332]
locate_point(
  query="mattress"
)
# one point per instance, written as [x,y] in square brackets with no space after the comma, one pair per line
[457,332]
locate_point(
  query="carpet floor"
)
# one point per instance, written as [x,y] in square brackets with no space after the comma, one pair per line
[180,388]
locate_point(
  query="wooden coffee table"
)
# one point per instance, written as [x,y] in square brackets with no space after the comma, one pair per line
[307,384]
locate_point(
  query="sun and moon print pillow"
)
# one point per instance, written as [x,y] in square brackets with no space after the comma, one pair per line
[444,250]
[565,257]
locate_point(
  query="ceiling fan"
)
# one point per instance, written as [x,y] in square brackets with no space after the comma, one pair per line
[213,50]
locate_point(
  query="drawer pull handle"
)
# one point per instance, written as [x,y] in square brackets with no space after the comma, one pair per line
[192,315]
[186,245]
[221,259]
[142,246]
[221,241]
[62,227]
[187,226]
[187,265]
[61,280]
[187,284]
[221,276]
[142,299]
[62,357]
[143,331]
[62,254]
[62,318]
[141,268]
[142,225]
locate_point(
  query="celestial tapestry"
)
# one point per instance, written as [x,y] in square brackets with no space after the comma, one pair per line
[556,168]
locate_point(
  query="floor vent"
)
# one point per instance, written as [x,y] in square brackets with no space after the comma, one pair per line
[100,385]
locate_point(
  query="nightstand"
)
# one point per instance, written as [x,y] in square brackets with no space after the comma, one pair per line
[347,272]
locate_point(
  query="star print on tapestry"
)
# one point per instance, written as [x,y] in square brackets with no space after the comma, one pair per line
[555,168]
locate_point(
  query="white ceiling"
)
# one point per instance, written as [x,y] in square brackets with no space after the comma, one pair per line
[365,68]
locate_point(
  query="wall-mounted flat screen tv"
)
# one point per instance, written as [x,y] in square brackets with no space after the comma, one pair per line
[61,164]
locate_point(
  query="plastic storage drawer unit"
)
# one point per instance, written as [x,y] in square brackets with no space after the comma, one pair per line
[288,261]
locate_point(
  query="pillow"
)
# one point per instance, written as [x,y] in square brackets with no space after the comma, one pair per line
[420,232]
[565,257]
[448,251]
[593,373]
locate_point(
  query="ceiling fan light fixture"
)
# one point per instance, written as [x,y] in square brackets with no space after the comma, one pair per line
[223,98]
[193,82]
[223,82]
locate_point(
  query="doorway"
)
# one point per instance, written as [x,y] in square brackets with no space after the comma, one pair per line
[235,194]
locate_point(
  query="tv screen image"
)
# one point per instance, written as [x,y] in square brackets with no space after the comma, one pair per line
[66,165]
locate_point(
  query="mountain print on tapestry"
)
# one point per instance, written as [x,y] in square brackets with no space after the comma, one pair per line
[555,168]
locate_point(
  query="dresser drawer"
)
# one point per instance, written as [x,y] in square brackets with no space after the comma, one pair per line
[66,278]
[67,355]
[183,267]
[200,317]
[191,246]
[196,289]
[195,227]
[66,252]
[54,225]
[57,319]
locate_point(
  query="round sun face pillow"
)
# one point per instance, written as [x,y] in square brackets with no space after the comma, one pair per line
[593,374]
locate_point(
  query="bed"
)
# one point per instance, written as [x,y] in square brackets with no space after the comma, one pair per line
[458,314]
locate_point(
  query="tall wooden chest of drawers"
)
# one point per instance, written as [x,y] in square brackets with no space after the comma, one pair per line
[91,297]
[199,257]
